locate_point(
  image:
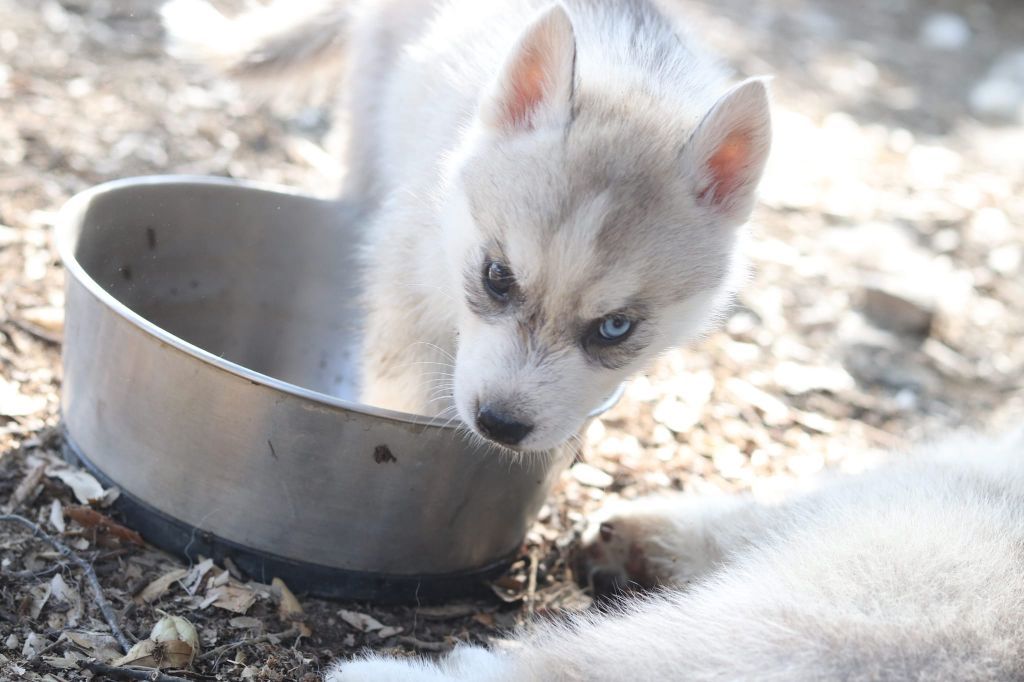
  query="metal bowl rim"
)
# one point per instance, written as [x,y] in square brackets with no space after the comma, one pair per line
[66,237]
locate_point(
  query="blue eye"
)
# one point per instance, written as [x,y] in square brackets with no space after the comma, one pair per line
[615,328]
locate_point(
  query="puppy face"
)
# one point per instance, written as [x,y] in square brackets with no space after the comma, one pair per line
[574,273]
[586,237]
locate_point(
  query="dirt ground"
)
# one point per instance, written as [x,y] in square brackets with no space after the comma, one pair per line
[887,303]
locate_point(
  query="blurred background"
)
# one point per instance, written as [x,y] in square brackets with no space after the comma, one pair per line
[886,301]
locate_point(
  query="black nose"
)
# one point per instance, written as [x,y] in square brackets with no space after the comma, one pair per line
[500,427]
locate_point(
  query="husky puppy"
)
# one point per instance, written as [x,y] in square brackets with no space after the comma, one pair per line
[557,191]
[914,571]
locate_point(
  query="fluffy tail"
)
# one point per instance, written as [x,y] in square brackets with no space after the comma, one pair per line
[289,37]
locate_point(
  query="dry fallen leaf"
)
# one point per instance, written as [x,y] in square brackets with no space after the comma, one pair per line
[88,517]
[289,610]
[150,654]
[38,596]
[65,594]
[33,645]
[83,484]
[99,645]
[156,589]
[366,623]
[110,496]
[289,606]
[173,643]
[173,628]
[69,661]
[234,598]
[193,581]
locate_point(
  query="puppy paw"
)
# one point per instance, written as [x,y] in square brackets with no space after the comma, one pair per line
[649,543]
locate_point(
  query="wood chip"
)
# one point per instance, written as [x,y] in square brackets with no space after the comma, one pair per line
[57,516]
[245,622]
[47,318]
[591,476]
[14,403]
[775,411]
[26,487]
[360,621]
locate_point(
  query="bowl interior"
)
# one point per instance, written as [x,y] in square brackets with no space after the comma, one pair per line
[265,280]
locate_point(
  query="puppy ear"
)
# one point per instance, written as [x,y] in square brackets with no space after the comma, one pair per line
[535,88]
[727,152]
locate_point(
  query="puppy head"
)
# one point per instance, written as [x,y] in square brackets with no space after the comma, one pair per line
[587,231]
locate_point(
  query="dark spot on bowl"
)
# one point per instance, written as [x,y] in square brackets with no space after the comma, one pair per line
[382,455]
[194,283]
[151,238]
[126,272]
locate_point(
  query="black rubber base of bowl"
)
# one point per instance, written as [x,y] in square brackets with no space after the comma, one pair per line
[179,538]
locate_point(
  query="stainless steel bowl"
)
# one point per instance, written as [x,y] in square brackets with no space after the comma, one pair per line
[207,373]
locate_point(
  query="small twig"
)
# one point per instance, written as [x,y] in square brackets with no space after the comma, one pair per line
[214,653]
[425,646]
[114,673]
[45,650]
[32,575]
[90,574]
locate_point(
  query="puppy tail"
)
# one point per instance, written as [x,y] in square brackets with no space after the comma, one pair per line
[289,38]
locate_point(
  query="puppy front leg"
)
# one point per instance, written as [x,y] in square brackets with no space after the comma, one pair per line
[407,362]
[402,373]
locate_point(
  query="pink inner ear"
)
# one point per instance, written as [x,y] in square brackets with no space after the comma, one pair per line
[728,167]
[529,85]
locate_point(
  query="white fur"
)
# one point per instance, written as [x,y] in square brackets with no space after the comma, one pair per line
[914,571]
[581,139]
